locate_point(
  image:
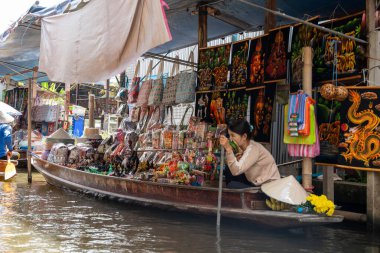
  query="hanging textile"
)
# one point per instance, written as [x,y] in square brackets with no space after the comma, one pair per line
[82,47]
[310,139]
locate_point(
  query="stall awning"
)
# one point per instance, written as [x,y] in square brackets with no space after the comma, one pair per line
[21,46]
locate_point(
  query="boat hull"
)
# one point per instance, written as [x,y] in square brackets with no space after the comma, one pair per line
[242,204]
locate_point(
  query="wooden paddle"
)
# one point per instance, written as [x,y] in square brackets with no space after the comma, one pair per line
[10,170]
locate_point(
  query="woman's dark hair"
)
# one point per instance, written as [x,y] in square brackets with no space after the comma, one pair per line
[240,127]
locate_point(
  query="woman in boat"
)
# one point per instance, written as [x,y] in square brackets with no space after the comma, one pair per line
[252,164]
[5,135]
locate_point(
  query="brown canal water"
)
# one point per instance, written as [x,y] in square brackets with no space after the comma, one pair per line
[38,217]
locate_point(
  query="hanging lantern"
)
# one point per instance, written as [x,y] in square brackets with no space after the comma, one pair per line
[328,91]
[341,93]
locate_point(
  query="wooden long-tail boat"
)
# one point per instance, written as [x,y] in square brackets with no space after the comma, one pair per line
[248,204]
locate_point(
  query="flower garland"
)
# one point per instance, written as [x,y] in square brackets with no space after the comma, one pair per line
[318,204]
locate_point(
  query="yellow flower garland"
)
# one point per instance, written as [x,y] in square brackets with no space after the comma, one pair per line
[321,204]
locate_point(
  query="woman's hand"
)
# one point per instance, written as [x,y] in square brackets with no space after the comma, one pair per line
[225,143]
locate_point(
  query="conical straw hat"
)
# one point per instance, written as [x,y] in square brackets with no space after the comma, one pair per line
[5,118]
[286,190]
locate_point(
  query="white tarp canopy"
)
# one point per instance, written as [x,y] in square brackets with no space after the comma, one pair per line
[101,39]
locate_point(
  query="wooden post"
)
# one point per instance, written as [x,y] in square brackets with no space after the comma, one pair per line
[30,90]
[91,107]
[270,18]
[76,94]
[307,87]
[31,97]
[106,112]
[67,100]
[202,26]
[373,178]
[328,182]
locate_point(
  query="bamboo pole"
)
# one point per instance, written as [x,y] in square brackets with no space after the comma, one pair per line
[91,107]
[307,87]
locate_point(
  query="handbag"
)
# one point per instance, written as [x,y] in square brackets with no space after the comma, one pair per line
[187,82]
[170,89]
[122,94]
[135,114]
[182,126]
[133,91]
[146,87]
[155,95]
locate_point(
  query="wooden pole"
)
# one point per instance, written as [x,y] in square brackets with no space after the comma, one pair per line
[307,87]
[76,94]
[328,182]
[107,97]
[270,18]
[31,97]
[30,88]
[373,178]
[67,101]
[91,107]
[202,26]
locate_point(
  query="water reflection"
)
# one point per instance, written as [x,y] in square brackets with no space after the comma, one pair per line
[40,217]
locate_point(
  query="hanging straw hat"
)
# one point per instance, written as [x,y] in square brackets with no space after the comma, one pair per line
[286,190]
[5,118]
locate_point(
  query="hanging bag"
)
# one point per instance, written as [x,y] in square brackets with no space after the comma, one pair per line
[155,96]
[122,94]
[186,85]
[171,85]
[146,87]
[133,91]
[182,125]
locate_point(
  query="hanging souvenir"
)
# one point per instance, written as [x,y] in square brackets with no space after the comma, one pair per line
[217,111]
[187,82]
[133,90]
[262,101]
[359,143]
[236,104]
[238,74]
[213,67]
[202,105]
[256,61]
[276,55]
[146,87]
[171,85]
[328,118]
[303,36]
[351,57]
